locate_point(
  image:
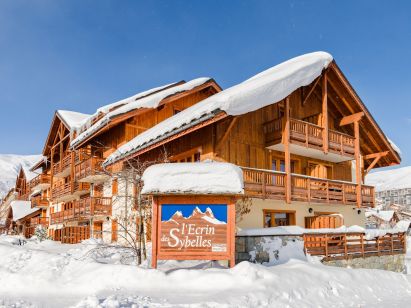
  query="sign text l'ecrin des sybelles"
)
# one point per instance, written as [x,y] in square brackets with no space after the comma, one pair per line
[198,231]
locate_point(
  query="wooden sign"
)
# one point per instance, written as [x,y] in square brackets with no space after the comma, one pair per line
[193,228]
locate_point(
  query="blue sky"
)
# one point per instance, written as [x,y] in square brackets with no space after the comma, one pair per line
[79,55]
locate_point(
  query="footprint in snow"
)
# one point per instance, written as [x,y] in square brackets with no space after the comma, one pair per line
[17,262]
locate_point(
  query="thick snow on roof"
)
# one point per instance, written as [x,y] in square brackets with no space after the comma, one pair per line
[193,178]
[266,88]
[138,102]
[398,178]
[383,215]
[74,120]
[395,147]
[22,209]
[109,107]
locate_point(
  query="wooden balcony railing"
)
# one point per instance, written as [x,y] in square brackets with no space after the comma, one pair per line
[61,190]
[89,169]
[334,246]
[80,188]
[44,221]
[309,135]
[62,166]
[84,209]
[42,181]
[39,201]
[268,184]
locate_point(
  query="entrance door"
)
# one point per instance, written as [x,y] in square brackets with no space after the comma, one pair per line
[98,229]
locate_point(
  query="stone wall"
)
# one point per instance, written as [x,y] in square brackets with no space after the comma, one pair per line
[277,249]
[269,249]
[394,263]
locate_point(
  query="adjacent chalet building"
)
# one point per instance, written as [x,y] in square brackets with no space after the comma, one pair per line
[302,136]
[300,133]
[392,187]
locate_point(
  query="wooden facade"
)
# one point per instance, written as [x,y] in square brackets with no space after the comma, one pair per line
[69,186]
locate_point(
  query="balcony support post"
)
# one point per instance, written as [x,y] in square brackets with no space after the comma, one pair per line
[325,112]
[287,157]
[358,176]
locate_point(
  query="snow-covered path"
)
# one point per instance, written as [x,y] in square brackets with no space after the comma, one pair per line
[49,274]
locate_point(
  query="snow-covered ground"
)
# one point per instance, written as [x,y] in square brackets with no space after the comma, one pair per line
[50,274]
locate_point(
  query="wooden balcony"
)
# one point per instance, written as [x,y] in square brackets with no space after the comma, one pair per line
[268,184]
[62,192]
[80,189]
[84,209]
[90,170]
[40,182]
[307,138]
[68,191]
[39,201]
[334,246]
[62,167]
[35,221]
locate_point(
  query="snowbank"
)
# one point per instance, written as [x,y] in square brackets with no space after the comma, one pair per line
[263,89]
[296,230]
[193,178]
[401,226]
[49,274]
[150,99]
[398,178]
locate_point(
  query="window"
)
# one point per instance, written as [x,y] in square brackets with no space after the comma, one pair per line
[273,218]
[279,165]
[175,111]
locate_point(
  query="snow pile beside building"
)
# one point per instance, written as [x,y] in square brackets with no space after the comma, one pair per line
[393,179]
[193,178]
[10,166]
[401,226]
[263,89]
[49,274]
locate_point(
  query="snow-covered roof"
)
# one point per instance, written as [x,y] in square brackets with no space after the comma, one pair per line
[395,147]
[21,209]
[72,119]
[147,99]
[383,215]
[268,87]
[393,179]
[193,178]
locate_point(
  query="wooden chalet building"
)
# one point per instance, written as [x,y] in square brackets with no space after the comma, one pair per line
[301,134]
[72,187]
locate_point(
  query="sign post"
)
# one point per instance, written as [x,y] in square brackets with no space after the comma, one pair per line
[193,227]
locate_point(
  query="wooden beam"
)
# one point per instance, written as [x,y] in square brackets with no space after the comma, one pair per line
[358,177]
[325,113]
[311,91]
[352,118]
[226,133]
[287,156]
[374,155]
